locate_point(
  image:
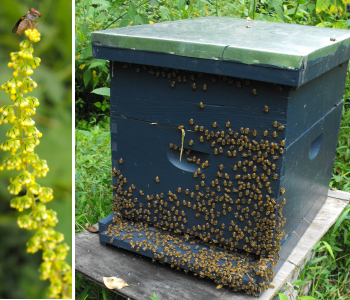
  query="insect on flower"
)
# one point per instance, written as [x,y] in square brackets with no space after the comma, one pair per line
[27,20]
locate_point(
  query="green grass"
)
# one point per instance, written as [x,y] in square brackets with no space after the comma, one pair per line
[93,176]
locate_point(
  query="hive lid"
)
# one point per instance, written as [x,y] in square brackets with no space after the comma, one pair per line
[249,42]
[259,43]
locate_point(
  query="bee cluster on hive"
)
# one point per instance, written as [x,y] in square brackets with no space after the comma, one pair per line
[228,227]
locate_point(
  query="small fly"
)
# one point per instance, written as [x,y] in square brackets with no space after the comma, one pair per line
[26,21]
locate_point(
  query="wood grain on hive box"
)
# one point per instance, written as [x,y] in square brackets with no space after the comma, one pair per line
[95,261]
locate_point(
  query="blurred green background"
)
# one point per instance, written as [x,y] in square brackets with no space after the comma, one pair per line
[19,276]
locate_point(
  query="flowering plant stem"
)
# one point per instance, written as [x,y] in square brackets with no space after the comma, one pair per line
[30,195]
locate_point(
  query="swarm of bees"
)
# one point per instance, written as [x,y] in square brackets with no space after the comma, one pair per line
[227,228]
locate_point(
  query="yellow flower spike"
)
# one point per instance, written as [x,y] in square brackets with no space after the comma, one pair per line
[49,255]
[42,234]
[33,246]
[24,221]
[23,136]
[14,189]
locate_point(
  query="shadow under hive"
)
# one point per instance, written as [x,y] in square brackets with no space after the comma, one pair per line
[220,162]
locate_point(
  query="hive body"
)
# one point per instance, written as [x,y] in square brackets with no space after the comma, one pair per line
[214,171]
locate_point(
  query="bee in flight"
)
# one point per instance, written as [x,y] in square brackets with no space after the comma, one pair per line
[27,20]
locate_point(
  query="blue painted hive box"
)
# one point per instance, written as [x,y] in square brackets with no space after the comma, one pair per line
[223,140]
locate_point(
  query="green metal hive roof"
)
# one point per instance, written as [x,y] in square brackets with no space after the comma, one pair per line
[226,39]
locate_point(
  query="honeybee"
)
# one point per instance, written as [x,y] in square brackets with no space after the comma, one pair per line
[266,108]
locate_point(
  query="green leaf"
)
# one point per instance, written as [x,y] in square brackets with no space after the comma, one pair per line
[102,91]
[322,5]
[301,1]
[316,260]
[125,21]
[278,10]
[137,20]
[329,248]
[181,3]
[300,282]
[282,296]
[104,294]
[252,9]
[324,24]
[311,7]
[87,3]
[144,18]
[132,11]
[98,104]
[306,298]
[342,217]
[87,77]
[164,12]
[340,25]
[97,63]
[154,297]
[87,53]
[85,29]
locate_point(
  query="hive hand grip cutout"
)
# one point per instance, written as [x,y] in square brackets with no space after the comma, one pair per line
[184,164]
[315,146]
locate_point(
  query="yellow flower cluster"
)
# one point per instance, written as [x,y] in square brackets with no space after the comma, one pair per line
[33,35]
[23,138]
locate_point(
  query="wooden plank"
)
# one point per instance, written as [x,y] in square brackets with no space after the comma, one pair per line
[339,194]
[95,261]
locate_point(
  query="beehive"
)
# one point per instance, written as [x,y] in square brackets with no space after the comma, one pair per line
[223,137]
